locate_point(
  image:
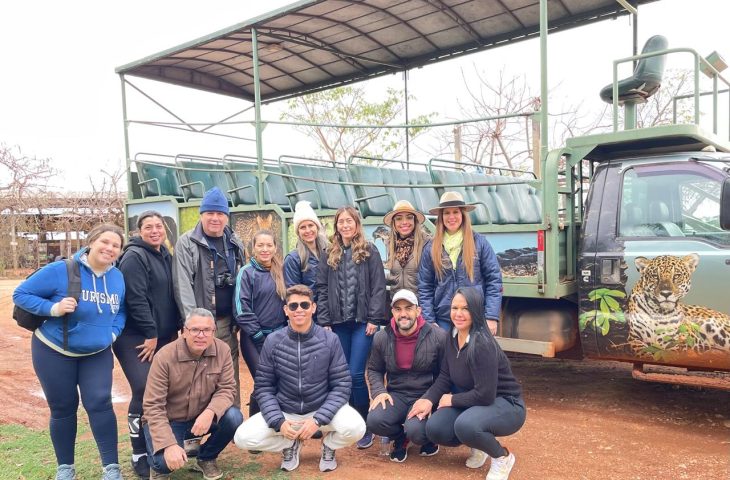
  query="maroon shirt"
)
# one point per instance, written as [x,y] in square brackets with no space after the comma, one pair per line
[405,346]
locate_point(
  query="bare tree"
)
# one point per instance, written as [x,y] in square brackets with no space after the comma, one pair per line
[22,180]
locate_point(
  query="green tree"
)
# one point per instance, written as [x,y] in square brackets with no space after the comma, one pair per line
[346,106]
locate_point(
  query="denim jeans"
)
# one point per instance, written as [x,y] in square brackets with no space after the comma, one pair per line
[356,346]
[478,426]
[221,435]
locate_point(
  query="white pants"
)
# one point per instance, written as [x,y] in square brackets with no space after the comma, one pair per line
[346,428]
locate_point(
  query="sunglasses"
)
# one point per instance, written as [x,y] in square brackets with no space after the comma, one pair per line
[294,305]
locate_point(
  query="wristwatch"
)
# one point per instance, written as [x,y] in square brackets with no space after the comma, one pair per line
[316,422]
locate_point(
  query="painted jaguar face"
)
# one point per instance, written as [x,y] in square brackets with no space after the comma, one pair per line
[665,280]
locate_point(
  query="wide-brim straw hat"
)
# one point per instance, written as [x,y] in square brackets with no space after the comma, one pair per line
[403,206]
[451,200]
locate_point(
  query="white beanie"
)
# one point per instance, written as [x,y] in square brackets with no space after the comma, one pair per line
[303,211]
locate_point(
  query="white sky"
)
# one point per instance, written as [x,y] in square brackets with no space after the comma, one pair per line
[60,97]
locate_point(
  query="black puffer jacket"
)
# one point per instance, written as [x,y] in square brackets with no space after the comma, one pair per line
[150,301]
[424,371]
[370,278]
[301,373]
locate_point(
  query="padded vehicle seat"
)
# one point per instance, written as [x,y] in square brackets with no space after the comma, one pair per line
[647,76]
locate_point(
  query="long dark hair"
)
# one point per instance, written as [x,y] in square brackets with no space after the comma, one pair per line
[479,334]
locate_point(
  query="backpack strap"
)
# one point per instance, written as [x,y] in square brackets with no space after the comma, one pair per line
[74,290]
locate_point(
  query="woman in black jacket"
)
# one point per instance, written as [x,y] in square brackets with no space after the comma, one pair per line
[351,300]
[152,318]
[478,397]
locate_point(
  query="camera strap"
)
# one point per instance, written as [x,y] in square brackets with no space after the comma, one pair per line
[228,257]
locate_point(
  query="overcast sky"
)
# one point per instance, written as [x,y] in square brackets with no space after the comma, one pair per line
[60,97]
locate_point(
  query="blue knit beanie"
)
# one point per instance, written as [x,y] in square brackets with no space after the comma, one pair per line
[214,201]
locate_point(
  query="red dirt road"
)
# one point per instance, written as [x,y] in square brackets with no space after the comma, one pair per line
[586,420]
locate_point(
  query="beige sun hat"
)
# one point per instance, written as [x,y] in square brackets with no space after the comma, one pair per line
[452,200]
[403,206]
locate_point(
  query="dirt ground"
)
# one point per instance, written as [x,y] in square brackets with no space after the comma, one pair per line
[586,420]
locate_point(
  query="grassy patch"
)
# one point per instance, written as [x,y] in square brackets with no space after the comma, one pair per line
[28,454]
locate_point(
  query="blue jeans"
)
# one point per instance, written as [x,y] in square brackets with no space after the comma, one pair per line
[356,346]
[477,427]
[221,435]
[62,378]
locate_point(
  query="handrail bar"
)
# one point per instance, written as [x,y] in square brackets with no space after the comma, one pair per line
[444,160]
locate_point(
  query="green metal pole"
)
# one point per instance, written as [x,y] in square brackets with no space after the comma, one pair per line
[629,116]
[697,88]
[126,139]
[543,83]
[408,136]
[257,112]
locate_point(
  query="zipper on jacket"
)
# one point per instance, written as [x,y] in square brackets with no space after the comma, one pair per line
[299,360]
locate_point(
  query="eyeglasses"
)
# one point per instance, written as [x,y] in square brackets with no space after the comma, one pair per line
[294,305]
[195,331]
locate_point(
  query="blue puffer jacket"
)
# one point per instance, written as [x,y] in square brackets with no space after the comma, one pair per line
[257,306]
[301,373]
[435,295]
[293,274]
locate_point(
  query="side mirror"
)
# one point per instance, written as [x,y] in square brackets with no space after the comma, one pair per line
[725,205]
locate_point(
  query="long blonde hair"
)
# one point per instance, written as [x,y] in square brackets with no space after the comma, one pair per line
[320,244]
[360,248]
[277,264]
[468,248]
[421,237]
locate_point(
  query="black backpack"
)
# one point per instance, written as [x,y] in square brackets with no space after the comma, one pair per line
[30,321]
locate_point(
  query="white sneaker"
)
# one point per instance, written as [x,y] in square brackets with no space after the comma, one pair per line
[476,459]
[500,467]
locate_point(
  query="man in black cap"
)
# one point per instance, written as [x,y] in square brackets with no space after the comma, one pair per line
[408,354]
[204,267]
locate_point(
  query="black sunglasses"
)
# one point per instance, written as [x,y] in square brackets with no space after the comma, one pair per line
[294,305]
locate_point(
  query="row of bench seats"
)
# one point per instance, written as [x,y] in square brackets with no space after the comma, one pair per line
[331,188]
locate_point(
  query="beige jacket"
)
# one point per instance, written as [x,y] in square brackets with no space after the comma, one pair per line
[180,386]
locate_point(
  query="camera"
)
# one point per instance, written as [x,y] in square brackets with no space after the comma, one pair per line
[223,280]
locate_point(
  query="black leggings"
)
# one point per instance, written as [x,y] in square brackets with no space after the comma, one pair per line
[136,371]
[250,353]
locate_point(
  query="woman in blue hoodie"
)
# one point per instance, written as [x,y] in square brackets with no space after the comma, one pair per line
[95,320]
[259,300]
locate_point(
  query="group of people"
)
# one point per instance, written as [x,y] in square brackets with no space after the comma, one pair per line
[308,326]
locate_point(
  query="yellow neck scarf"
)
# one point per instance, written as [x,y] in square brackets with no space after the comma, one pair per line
[452,244]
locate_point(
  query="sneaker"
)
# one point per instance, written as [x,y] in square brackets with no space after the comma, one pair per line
[141,467]
[400,449]
[366,441]
[328,462]
[290,457]
[500,467]
[476,459]
[112,472]
[429,449]
[157,475]
[66,472]
[209,468]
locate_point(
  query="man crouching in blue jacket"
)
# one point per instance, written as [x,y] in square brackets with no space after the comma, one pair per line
[302,385]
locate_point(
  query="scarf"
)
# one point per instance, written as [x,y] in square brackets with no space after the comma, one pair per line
[404,248]
[452,245]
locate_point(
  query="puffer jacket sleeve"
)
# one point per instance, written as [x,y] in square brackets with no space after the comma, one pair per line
[292,269]
[376,305]
[323,308]
[183,274]
[427,284]
[491,279]
[376,364]
[246,318]
[340,382]
[266,386]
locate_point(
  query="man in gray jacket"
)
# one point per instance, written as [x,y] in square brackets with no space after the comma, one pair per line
[302,385]
[205,264]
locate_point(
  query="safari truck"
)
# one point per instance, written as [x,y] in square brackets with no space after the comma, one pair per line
[615,247]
